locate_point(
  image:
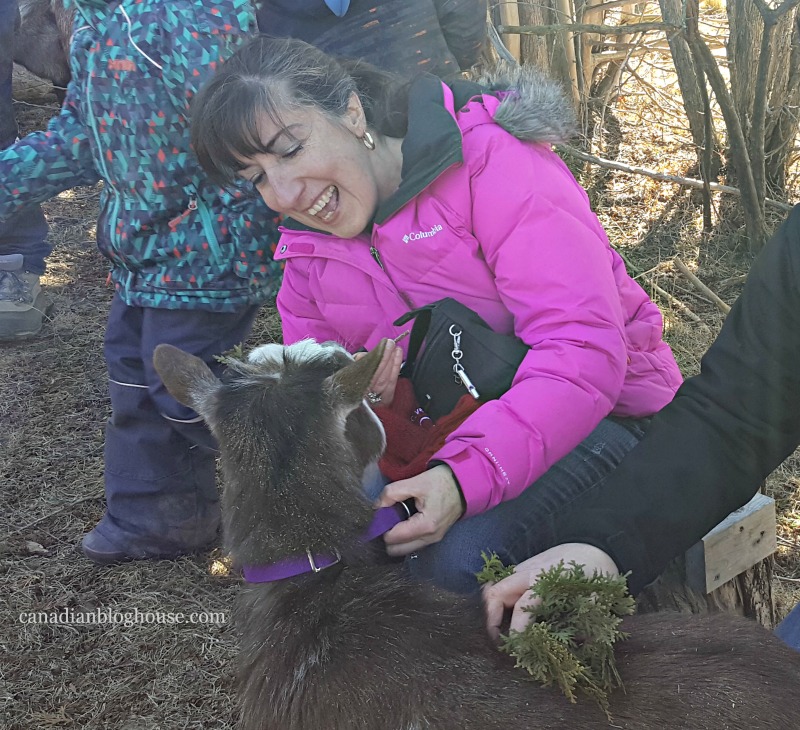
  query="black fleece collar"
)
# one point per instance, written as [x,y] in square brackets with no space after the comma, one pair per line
[431,145]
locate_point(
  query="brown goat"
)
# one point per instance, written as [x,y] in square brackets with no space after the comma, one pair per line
[41,42]
[360,646]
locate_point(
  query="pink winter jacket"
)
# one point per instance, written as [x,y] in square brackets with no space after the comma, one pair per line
[500,225]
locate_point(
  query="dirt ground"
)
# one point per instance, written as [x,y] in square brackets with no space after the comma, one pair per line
[53,406]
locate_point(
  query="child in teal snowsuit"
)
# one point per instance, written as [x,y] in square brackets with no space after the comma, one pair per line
[190,262]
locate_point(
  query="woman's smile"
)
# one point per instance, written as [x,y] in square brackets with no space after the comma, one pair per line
[326,205]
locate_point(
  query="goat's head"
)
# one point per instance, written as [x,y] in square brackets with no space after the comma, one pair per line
[295,438]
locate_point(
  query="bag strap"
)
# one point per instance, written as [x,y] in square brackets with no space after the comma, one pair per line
[422,322]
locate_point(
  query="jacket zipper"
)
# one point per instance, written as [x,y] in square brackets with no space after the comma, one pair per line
[377,256]
[115,201]
[198,204]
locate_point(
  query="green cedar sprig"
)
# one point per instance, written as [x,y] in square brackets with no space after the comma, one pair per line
[570,639]
[493,569]
[235,354]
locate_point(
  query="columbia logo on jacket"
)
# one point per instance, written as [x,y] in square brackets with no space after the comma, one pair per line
[416,235]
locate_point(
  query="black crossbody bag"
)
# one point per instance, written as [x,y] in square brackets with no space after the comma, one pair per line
[453,351]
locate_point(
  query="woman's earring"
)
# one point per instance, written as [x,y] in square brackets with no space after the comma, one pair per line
[368,141]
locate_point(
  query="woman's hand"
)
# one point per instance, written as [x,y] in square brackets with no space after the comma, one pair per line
[384,381]
[438,501]
[514,592]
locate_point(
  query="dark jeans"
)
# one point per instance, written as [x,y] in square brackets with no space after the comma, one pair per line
[25,232]
[8,127]
[523,527]
[160,459]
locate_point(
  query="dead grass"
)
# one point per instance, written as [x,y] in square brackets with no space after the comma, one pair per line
[53,406]
[52,410]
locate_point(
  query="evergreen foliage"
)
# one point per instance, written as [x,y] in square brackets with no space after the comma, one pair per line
[574,626]
[493,569]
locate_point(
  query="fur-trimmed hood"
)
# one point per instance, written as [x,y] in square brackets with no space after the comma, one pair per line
[533,106]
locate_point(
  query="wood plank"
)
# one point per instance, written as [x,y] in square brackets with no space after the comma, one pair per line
[741,540]
[748,594]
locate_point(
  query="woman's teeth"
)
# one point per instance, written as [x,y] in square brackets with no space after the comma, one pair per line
[322,201]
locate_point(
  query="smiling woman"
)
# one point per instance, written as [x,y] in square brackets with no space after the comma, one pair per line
[399,194]
[319,171]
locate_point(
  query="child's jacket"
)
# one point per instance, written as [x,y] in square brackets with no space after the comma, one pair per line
[174,240]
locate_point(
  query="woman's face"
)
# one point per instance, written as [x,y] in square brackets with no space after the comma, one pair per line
[316,170]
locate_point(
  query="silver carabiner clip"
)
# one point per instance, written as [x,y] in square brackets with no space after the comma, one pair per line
[458,369]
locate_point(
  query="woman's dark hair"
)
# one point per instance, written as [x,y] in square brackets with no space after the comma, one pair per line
[271,75]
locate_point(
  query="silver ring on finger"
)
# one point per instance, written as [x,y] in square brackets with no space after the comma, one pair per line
[374,398]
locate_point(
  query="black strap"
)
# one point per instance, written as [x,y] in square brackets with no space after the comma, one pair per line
[422,322]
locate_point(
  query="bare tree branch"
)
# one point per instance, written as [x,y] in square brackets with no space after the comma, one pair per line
[751,201]
[60,510]
[759,121]
[603,7]
[685,181]
[723,307]
[499,46]
[774,14]
[677,303]
[586,28]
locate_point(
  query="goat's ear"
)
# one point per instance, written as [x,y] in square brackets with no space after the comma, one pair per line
[349,385]
[188,379]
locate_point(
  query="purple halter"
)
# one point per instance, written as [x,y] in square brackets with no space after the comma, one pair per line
[384,520]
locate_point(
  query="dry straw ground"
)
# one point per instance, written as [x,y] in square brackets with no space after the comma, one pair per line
[53,405]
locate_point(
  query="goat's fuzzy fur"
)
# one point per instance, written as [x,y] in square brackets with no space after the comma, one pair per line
[42,40]
[359,646]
